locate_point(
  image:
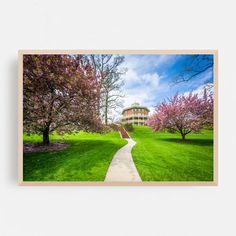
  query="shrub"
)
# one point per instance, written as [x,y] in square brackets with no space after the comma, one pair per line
[128,127]
[110,127]
[114,127]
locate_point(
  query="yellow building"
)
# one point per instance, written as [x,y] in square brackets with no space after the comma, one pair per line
[136,114]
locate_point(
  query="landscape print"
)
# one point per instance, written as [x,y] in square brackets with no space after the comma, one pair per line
[117,117]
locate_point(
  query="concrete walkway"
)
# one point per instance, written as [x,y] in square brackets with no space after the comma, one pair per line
[122,167]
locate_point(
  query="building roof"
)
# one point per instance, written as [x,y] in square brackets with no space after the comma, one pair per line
[135,105]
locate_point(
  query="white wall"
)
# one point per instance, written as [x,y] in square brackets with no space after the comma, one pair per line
[123,24]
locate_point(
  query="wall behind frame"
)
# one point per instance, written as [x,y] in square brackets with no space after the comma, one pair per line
[117,210]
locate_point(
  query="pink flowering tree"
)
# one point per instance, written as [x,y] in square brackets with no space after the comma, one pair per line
[183,114]
[60,92]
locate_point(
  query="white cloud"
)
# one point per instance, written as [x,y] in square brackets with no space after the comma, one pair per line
[200,90]
[145,62]
[152,80]
[140,88]
[132,79]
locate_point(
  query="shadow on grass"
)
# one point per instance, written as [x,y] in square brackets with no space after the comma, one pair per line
[78,146]
[79,161]
[198,142]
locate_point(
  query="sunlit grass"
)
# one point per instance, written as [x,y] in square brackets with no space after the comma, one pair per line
[86,159]
[162,157]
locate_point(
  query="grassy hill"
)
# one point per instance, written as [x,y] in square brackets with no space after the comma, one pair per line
[162,157]
[86,159]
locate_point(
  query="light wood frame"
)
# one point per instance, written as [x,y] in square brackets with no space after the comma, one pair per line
[99,183]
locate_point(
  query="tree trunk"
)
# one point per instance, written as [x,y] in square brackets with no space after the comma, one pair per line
[183,136]
[106,116]
[46,136]
[182,133]
[106,109]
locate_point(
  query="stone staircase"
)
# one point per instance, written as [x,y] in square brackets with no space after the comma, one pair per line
[123,132]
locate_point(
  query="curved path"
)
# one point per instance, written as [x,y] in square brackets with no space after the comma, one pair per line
[122,167]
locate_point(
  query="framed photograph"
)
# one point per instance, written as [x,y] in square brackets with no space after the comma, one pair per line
[118,117]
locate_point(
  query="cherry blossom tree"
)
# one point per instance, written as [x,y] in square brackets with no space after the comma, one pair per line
[183,114]
[60,92]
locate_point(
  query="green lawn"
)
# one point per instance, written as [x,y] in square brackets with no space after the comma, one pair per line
[86,159]
[161,157]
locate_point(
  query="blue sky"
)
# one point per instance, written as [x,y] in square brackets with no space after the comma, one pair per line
[149,78]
